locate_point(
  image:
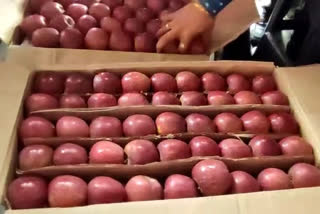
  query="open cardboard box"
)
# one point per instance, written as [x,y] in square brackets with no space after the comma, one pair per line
[300,84]
[12,13]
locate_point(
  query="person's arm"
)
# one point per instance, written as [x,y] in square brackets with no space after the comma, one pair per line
[190,21]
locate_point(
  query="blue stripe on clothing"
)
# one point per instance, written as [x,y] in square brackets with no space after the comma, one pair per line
[214,6]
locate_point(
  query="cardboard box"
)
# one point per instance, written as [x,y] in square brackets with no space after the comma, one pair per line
[13,11]
[300,84]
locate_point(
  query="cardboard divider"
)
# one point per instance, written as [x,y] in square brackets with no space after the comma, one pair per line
[122,141]
[148,95]
[247,68]
[123,112]
[251,165]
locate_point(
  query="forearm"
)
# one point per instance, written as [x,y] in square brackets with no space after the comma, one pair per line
[232,21]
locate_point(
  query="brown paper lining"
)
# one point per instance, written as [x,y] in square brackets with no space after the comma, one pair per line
[251,165]
[122,141]
[123,112]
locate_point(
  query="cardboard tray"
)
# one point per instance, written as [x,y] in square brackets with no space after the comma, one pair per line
[13,11]
[13,90]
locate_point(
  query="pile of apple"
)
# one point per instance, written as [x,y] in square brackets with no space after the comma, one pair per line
[119,25]
[208,178]
[105,89]
[144,151]
[253,122]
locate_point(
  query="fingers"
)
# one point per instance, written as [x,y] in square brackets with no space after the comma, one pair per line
[167,17]
[185,41]
[165,39]
[164,29]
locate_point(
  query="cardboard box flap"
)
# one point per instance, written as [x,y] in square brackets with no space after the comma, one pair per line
[12,103]
[298,83]
[13,82]
[29,56]
[12,12]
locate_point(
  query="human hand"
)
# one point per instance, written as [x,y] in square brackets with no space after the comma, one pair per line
[184,25]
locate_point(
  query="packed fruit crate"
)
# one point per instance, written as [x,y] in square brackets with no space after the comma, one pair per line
[98,136]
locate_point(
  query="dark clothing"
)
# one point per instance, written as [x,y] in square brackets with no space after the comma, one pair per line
[304,47]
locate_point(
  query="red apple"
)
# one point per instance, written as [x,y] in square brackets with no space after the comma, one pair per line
[143,188]
[283,123]
[263,145]
[228,122]
[135,82]
[220,98]
[35,156]
[170,123]
[70,153]
[204,146]
[106,152]
[274,179]
[212,177]
[213,82]
[67,191]
[106,126]
[141,152]
[244,183]
[36,127]
[188,81]
[179,186]
[165,98]
[100,100]
[198,123]
[234,148]
[173,149]
[237,82]
[255,122]
[138,125]
[105,190]
[28,192]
